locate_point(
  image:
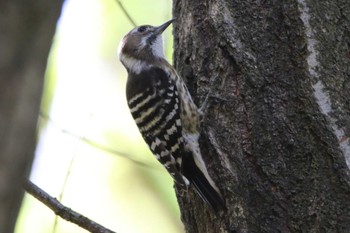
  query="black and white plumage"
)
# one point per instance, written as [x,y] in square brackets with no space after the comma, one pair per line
[164,111]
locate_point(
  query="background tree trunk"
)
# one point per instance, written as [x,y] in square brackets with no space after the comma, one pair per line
[27,28]
[277,143]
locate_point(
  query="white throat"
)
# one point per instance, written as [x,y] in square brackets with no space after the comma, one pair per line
[157,47]
[134,65]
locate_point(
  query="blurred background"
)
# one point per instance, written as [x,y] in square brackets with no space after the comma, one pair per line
[90,155]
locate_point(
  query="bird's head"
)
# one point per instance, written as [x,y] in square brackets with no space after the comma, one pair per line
[142,46]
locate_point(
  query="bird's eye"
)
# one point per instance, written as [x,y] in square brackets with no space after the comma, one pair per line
[142,29]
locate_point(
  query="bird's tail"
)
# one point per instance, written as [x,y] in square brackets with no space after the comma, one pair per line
[201,184]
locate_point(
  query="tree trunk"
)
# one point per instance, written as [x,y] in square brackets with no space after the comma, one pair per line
[27,28]
[276,135]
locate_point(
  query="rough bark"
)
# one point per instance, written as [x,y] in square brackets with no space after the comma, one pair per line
[276,136]
[27,28]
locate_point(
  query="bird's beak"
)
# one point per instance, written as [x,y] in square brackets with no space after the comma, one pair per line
[162,27]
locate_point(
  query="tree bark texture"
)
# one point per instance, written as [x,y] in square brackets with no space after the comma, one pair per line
[276,135]
[26,32]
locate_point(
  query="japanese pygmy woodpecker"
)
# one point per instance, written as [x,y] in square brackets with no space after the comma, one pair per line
[164,111]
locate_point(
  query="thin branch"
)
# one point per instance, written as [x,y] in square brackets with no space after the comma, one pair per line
[95,144]
[60,197]
[63,211]
[126,13]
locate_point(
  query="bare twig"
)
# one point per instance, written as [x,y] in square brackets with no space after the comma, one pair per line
[63,211]
[96,145]
[126,13]
[55,224]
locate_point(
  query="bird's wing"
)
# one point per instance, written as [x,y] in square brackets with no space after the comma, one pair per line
[155,108]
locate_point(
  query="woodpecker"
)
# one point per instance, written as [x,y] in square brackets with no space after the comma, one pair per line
[164,111]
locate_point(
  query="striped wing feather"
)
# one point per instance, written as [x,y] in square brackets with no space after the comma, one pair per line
[154,104]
